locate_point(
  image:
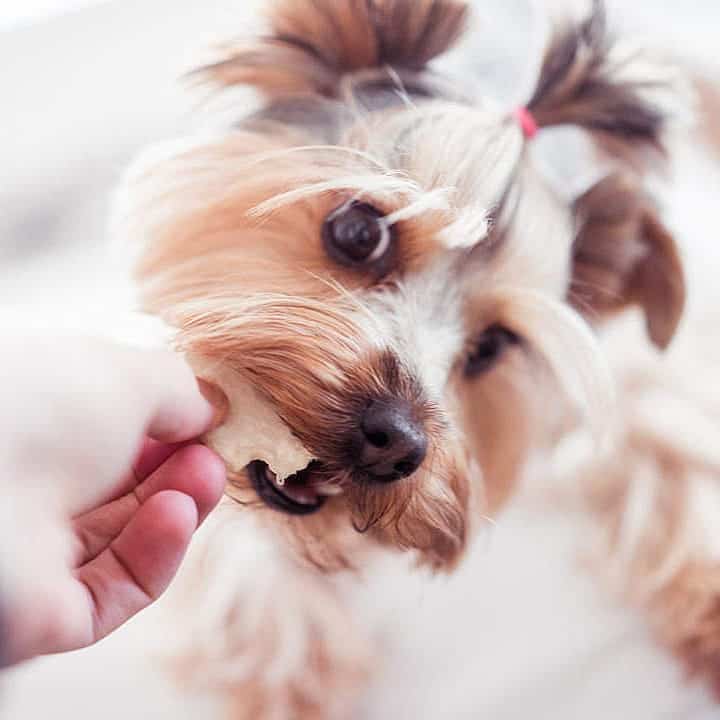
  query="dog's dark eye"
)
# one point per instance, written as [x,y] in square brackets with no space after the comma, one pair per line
[356,234]
[489,349]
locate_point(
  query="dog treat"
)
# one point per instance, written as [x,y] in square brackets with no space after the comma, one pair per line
[251,429]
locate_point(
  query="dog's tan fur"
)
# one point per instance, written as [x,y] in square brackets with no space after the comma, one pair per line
[231,257]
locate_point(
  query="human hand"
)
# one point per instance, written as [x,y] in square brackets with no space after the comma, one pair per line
[102,490]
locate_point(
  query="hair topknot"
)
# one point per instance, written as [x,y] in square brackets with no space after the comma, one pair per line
[312,44]
[589,80]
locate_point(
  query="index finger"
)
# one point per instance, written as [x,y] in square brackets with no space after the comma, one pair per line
[78,408]
[176,409]
[137,393]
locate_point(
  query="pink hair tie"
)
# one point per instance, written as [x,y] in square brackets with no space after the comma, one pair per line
[527,122]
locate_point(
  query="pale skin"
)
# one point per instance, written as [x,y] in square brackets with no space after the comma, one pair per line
[103,484]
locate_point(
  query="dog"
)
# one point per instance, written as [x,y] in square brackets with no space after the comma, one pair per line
[379,253]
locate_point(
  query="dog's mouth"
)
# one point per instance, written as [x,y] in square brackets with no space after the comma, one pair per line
[303,493]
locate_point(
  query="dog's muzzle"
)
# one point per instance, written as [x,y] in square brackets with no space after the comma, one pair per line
[388,443]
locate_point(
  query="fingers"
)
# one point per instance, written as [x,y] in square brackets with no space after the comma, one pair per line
[134,546]
[178,410]
[125,394]
[193,470]
[138,566]
[218,399]
[151,456]
[78,414]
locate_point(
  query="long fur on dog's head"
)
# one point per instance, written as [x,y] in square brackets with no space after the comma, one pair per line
[490,279]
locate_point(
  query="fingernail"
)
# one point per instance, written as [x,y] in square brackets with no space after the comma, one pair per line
[217,399]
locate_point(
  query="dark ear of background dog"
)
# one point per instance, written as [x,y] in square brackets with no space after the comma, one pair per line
[625,256]
[312,44]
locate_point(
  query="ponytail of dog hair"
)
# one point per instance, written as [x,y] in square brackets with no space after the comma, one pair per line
[312,44]
[588,80]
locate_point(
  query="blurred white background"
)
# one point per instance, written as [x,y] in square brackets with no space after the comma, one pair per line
[14,13]
[519,634]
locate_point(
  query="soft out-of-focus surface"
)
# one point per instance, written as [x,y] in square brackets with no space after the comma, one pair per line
[18,13]
[519,633]
[81,95]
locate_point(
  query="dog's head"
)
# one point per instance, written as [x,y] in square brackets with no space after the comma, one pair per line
[376,253]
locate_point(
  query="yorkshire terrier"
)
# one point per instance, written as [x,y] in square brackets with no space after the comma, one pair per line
[377,253]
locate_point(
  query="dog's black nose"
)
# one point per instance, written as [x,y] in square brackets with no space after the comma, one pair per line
[393,443]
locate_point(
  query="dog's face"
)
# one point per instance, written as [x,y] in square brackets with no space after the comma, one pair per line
[372,298]
[395,281]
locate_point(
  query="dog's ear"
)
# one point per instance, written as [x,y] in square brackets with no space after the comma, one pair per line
[624,256]
[313,44]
